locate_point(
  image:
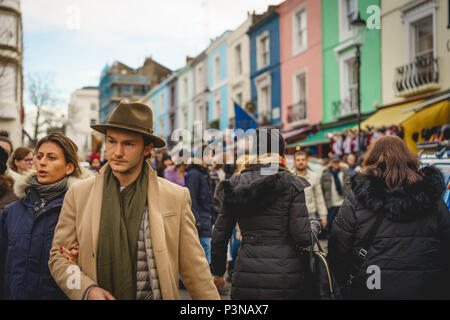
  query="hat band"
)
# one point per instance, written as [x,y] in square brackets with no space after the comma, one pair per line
[131,126]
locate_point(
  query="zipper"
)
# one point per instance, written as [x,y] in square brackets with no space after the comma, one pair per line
[328,271]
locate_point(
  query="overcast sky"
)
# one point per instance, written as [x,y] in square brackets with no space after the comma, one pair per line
[72,40]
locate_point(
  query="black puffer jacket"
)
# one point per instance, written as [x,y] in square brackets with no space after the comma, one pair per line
[411,247]
[273,219]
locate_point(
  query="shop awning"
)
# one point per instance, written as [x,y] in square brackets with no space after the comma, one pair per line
[319,137]
[389,116]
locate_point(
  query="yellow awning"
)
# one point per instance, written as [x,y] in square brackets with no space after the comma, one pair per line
[389,116]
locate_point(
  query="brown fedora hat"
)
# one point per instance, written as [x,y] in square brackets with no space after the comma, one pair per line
[134,117]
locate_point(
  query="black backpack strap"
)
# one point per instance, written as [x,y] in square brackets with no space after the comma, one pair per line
[359,258]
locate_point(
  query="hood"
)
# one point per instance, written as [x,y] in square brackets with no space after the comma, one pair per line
[21,181]
[249,193]
[400,203]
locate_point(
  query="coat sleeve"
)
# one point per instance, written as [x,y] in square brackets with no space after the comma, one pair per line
[194,268]
[321,207]
[3,249]
[299,223]
[444,237]
[340,244]
[221,235]
[192,182]
[69,277]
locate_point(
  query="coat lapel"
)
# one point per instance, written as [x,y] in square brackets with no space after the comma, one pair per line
[97,211]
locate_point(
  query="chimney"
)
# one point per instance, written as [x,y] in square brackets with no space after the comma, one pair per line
[189,59]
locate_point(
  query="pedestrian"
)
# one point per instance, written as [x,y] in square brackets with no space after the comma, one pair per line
[21,161]
[95,164]
[268,202]
[27,225]
[351,162]
[411,249]
[7,195]
[313,194]
[175,173]
[135,231]
[335,181]
[199,184]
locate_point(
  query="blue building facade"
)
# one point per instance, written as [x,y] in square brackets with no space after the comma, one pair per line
[218,83]
[158,100]
[265,72]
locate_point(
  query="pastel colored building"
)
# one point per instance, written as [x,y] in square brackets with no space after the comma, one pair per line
[239,67]
[158,100]
[265,72]
[339,62]
[185,103]
[218,82]
[201,84]
[301,62]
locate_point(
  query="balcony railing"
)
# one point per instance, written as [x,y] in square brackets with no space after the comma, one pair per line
[346,106]
[296,112]
[418,76]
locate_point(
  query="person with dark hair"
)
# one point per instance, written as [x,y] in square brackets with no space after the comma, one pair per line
[268,202]
[27,225]
[7,195]
[411,247]
[335,181]
[21,160]
[135,231]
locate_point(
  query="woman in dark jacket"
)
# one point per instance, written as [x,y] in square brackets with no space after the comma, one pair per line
[409,257]
[272,215]
[27,225]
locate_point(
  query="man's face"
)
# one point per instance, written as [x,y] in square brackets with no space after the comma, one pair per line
[301,162]
[335,165]
[351,159]
[125,150]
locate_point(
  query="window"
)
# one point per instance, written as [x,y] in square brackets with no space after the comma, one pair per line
[153,105]
[93,121]
[348,10]
[349,103]
[185,88]
[238,59]
[93,106]
[300,31]
[161,103]
[161,127]
[216,70]
[297,112]
[263,49]
[185,119]
[239,99]
[217,108]
[199,79]
[423,36]
[265,101]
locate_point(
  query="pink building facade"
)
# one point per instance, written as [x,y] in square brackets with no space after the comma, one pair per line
[301,63]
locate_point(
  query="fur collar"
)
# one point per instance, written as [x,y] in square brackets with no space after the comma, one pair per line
[400,203]
[248,193]
[20,183]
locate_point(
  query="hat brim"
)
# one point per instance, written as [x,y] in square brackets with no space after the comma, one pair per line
[157,142]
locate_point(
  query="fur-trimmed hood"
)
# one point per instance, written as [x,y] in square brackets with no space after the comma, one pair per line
[21,180]
[248,193]
[400,203]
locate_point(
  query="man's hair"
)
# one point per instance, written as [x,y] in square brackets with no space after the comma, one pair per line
[301,153]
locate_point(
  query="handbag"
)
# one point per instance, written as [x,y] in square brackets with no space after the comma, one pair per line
[324,283]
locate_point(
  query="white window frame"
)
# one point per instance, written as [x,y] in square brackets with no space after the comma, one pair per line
[162,127]
[413,13]
[199,78]
[259,58]
[217,100]
[185,88]
[296,94]
[344,32]
[343,60]
[216,70]
[153,105]
[161,103]
[262,81]
[297,47]
[238,60]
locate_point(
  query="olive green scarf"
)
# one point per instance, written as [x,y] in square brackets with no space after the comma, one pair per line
[121,218]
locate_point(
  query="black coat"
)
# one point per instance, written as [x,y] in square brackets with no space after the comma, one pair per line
[199,185]
[412,245]
[273,218]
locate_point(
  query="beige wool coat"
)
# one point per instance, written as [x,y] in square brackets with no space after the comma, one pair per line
[174,237]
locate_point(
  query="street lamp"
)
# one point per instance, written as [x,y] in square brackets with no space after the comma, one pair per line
[360,26]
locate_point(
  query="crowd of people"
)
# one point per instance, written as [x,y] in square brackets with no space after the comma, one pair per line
[215,228]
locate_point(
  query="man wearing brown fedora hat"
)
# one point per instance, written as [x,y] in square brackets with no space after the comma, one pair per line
[134,232]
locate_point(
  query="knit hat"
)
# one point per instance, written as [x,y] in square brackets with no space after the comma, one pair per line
[3,159]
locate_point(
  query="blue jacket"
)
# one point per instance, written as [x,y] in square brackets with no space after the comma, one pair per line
[198,183]
[26,235]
